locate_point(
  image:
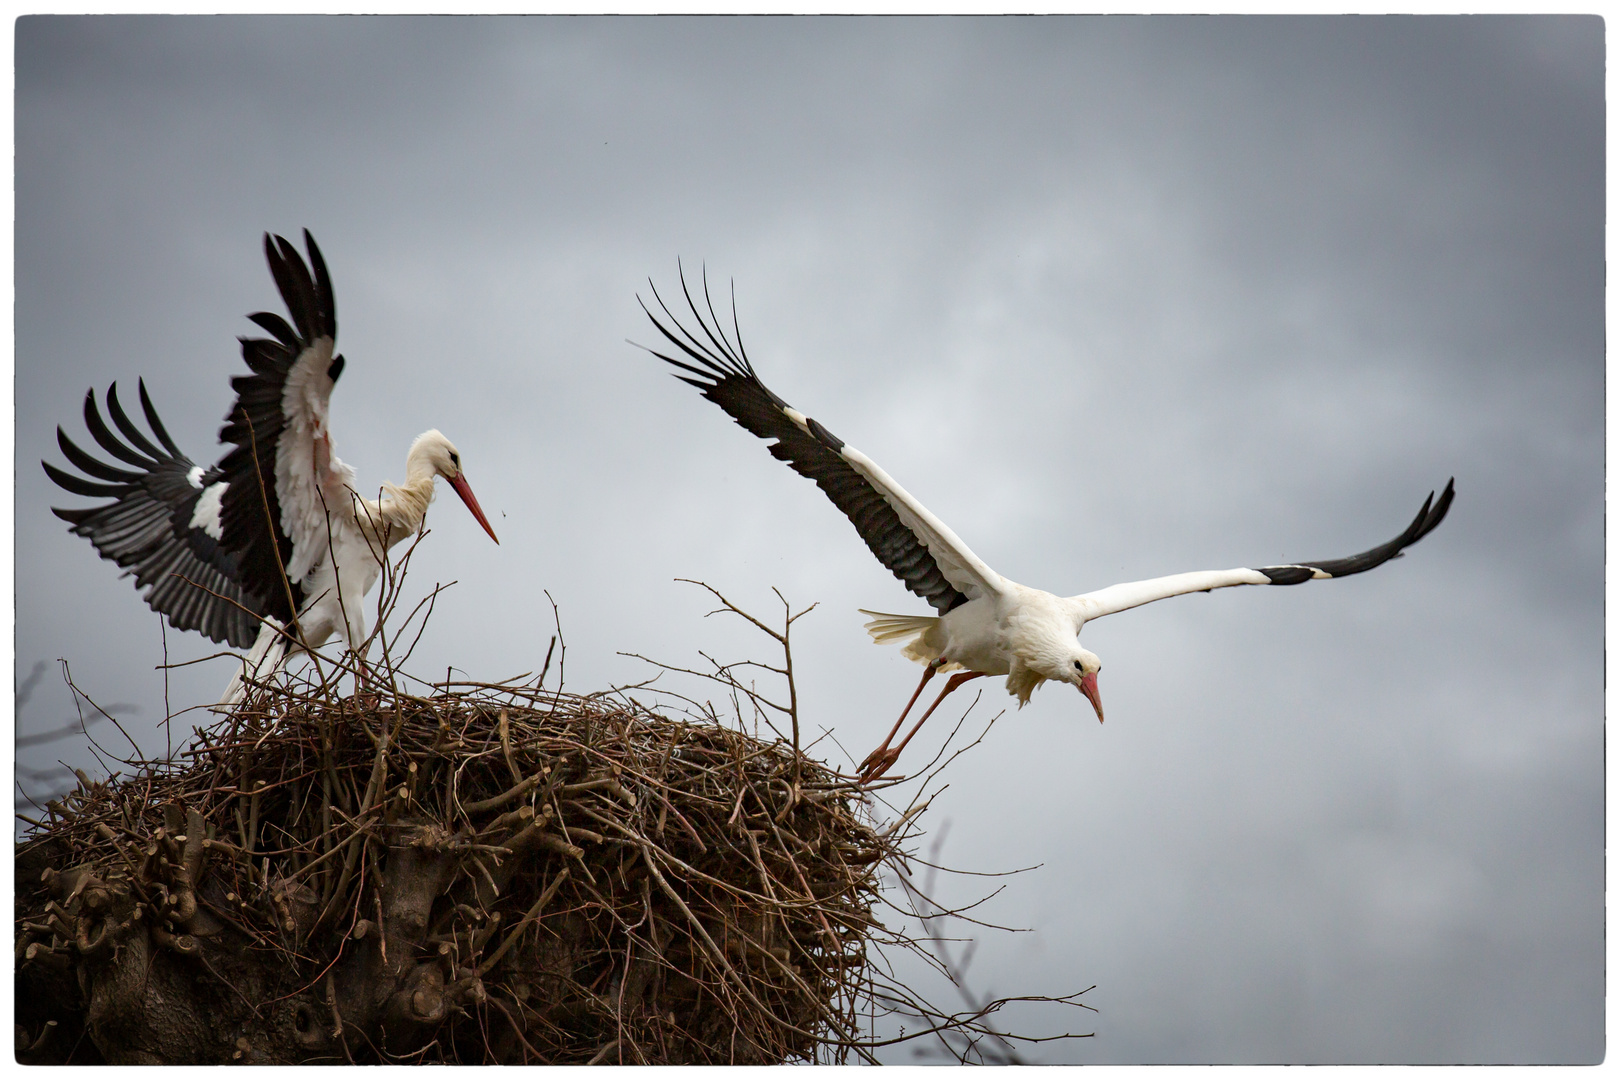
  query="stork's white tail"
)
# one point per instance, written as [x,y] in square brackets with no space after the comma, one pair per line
[262,660]
[922,648]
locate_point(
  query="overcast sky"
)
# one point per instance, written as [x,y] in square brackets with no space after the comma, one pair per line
[1113,297]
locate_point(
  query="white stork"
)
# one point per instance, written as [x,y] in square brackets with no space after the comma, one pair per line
[277,526]
[986,624]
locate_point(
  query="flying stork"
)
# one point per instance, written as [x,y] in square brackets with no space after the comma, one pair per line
[986,624]
[278,525]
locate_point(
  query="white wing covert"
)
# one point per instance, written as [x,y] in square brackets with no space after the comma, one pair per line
[1122,597]
[966,571]
[281,466]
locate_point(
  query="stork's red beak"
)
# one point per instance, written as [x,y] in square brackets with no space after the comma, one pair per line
[1088,687]
[459,482]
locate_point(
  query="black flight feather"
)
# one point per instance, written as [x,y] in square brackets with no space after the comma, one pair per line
[1431,514]
[251,510]
[147,530]
[721,371]
[152,418]
[136,438]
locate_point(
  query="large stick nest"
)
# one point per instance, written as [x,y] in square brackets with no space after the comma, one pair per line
[343,871]
[499,874]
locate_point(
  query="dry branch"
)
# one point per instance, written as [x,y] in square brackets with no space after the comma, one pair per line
[533,895]
[487,873]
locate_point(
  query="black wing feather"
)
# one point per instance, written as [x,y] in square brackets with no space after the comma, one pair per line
[292,279]
[251,513]
[147,529]
[79,486]
[325,302]
[1431,515]
[90,465]
[277,326]
[92,421]
[136,437]
[721,371]
[157,425]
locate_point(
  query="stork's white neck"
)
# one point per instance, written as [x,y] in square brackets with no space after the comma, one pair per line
[403,506]
[419,465]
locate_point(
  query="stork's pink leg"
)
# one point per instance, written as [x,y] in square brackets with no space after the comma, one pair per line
[876,766]
[928,673]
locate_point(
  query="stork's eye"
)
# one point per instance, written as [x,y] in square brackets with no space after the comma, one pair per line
[1078,666]
[455,459]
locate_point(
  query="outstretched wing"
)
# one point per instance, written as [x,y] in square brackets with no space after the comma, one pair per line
[163,524]
[915,545]
[281,473]
[1135,593]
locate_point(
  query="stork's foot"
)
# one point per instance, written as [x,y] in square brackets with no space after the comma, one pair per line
[877,763]
[880,760]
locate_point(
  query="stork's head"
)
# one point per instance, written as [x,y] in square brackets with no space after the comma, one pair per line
[434,455]
[1054,654]
[1083,669]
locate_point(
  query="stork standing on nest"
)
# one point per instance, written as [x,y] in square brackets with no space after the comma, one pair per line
[986,624]
[277,527]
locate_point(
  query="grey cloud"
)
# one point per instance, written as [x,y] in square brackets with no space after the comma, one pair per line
[1114,297]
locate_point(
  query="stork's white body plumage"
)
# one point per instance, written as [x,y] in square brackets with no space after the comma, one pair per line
[1025,634]
[986,624]
[348,553]
[273,548]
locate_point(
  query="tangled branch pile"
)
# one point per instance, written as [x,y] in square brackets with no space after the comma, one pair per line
[491,873]
[496,874]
